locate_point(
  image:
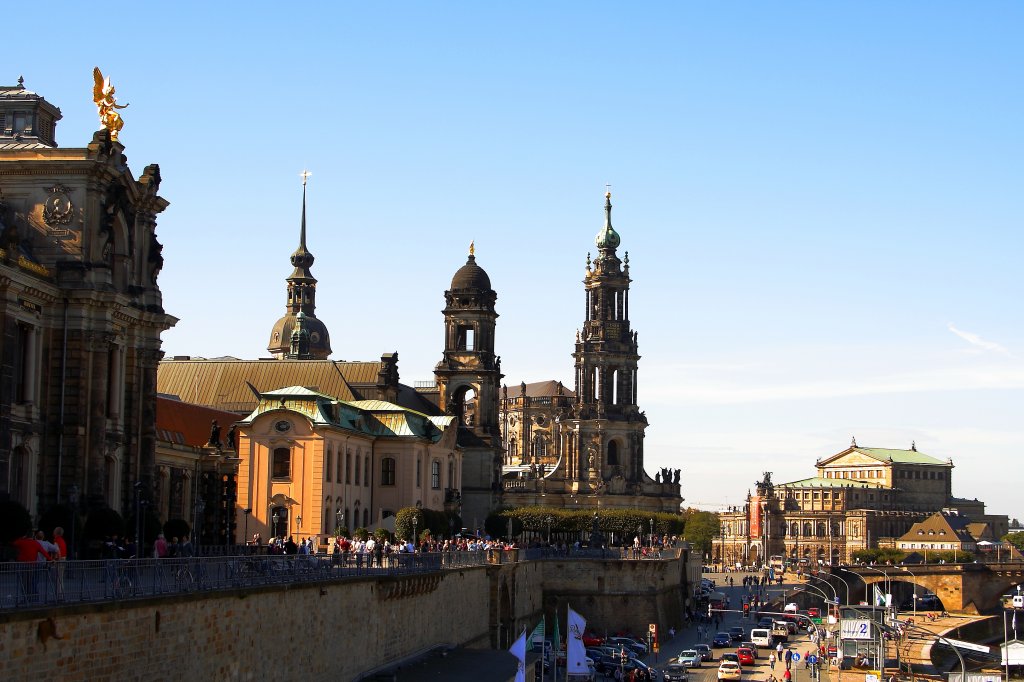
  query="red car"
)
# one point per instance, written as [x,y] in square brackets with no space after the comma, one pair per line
[813,612]
[745,655]
[591,639]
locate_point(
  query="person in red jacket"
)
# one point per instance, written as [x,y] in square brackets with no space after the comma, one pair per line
[29,550]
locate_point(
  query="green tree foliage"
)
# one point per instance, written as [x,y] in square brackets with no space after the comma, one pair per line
[361,534]
[1015,539]
[700,528]
[15,521]
[625,523]
[176,528]
[103,522]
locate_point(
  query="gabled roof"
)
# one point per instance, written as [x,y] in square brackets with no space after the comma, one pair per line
[541,389]
[887,455]
[940,527]
[819,482]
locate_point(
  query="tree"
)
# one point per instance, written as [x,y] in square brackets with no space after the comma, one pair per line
[1015,539]
[699,529]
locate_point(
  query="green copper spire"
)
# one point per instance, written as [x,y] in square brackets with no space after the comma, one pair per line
[608,238]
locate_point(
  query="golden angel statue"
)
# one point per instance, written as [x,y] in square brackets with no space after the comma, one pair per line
[103,96]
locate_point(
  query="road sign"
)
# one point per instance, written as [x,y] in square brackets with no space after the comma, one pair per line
[812,659]
[816,621]
[796,657]
[970,646]
[855,628]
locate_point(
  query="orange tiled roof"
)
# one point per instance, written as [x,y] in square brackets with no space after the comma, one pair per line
[187,424]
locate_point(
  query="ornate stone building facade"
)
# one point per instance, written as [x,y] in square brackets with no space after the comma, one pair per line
[81,314]
[859,498]
[585,448]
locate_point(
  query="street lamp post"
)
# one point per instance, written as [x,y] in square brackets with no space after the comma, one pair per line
[198,522]
[415,537]
[914,585]
[245,532]
[276,517]
[73,498]
[652,533]
[548,520]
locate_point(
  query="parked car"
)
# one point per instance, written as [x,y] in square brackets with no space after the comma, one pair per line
[592,639]
[721,639]
[704,650]
[745,656]
[690,658]
[729,670]
[736,633]
[636,645]
[675,672]
[814,612]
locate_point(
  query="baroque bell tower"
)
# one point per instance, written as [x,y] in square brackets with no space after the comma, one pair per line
[299,335]
[608,424]
[469,378]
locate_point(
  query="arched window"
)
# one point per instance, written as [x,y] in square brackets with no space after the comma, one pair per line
[435,474]
[348,467]
[282,464]
[366,517]
[327,517]
[419,471]
[387,471]
[366,470]
[358,460]
[794,529]
[513,451]
[808,530]
[451,473]
[821,530]
[338,477]
[328,465]
[19,475]
[539,447]
[613,453]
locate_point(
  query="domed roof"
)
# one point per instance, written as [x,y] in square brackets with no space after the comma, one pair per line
[471,275]
[608,238]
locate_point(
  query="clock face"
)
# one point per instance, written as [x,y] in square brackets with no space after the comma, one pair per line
[283,425]
[314,337]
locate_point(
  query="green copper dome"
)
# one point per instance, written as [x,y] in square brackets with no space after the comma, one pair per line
[608,238]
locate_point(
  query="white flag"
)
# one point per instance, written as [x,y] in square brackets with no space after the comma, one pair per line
[879,597]
[576,653]
[519,651]
[1014,623]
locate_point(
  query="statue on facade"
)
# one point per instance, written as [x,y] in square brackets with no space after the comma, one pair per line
[106,103]
[657,477]
[233,438]
[214,435]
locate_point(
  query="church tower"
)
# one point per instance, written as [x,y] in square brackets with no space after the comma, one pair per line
[609,426]
[468,378]
[299,335]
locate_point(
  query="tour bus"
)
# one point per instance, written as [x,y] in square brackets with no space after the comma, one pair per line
[778,562]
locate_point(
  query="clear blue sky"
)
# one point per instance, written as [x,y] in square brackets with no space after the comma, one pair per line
[822,202]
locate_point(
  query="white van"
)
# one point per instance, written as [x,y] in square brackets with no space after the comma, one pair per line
[761,637]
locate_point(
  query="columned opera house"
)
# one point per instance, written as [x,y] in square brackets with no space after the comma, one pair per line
[859,498]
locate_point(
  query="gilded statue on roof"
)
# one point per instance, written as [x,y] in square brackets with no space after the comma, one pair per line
[106,103]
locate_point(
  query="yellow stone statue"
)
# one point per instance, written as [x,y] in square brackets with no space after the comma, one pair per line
[103,96]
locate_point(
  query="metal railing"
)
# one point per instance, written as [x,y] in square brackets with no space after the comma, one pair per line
[43,584]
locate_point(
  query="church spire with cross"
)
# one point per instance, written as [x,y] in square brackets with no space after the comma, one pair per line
[301,305]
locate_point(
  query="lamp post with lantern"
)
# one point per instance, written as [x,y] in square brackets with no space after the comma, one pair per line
[276,517]
[652,533]
[415,537]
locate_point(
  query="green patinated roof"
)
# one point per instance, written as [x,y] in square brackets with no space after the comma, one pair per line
[899,456]
[818,482]
[371,417]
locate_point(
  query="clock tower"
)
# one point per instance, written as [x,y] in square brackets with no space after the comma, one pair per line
[299,335]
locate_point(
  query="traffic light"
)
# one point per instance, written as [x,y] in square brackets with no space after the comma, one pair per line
[538,671]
